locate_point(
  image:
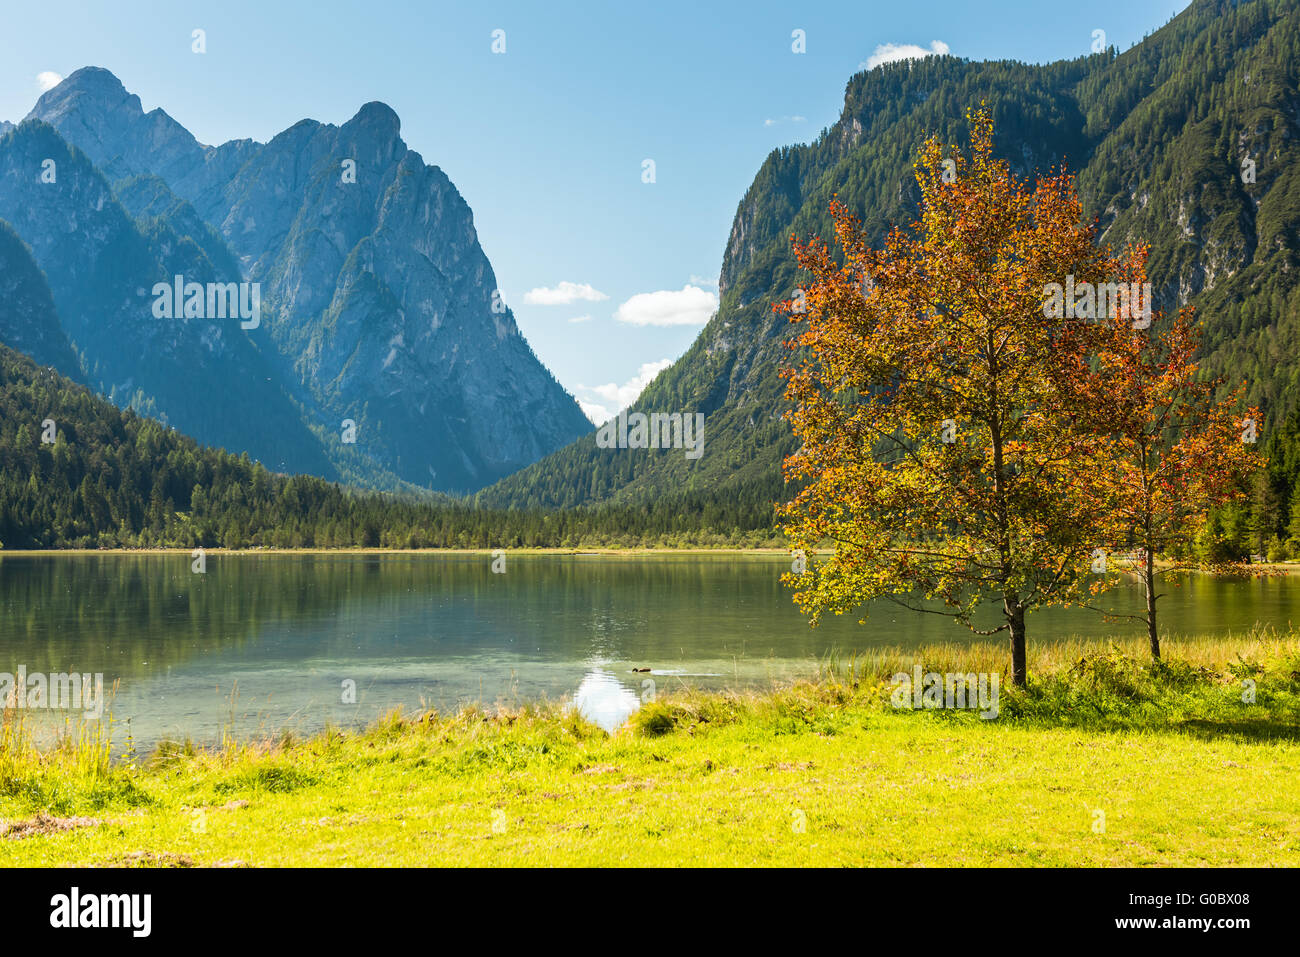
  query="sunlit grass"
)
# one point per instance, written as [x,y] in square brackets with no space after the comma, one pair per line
[1218,651]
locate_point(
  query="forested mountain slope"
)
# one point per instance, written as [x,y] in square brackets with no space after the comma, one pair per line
[1157,136]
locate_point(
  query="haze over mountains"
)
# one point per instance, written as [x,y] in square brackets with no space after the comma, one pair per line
[377,302]
[1159,137]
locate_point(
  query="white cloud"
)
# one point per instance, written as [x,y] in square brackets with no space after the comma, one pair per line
[889,52]
[689,306]
[581,319]
[614,397]
[48,80]
[704,282]
[566,293]
[595,412]
[785,119]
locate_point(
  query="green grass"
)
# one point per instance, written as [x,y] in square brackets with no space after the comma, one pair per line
[824,772]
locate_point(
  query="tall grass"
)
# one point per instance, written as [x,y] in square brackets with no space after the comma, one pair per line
[73,770]
[1199,686]
[1217,653]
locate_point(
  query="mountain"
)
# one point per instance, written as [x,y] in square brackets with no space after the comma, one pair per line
[1157,135]
[28,320]
[378,304]
[94,112]
[206,378]
[112,478]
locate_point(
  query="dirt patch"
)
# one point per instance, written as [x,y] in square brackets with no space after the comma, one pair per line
[162,859]
[570,827]
[228,806]
[44,823]
[149,859]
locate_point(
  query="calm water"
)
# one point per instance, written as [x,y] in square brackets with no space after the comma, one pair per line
[264,643]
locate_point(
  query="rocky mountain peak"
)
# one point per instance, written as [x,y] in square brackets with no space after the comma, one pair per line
[93,110]
[377,301]
[378,120]
[90,87]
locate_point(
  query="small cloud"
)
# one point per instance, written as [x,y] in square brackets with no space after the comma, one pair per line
[565,294]
[581,319]
[614,397]
[702,281]
[689,306]
[785,119]
[48,80]
[890,52]
[594,411]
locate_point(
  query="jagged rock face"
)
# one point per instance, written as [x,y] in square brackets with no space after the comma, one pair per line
[377,298]
[381,299]
[28,320]
[203,377]
[94,112]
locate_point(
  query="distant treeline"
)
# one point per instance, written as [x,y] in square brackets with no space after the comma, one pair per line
[112,478]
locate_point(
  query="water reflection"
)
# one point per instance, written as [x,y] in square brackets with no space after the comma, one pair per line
[262,643]
[602,699]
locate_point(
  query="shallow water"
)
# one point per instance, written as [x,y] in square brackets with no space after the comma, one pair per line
[264,643]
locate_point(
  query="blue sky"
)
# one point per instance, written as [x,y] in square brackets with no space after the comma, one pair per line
[547,140]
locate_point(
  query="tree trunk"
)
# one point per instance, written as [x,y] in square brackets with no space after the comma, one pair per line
[1015,614]
[1149,579]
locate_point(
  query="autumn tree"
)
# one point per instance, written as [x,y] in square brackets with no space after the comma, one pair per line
[1175,452]
[941,456]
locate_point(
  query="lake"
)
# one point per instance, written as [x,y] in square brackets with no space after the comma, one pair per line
[266,642]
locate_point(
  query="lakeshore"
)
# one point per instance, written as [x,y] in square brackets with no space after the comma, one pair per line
[632,551]
[1104,760]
